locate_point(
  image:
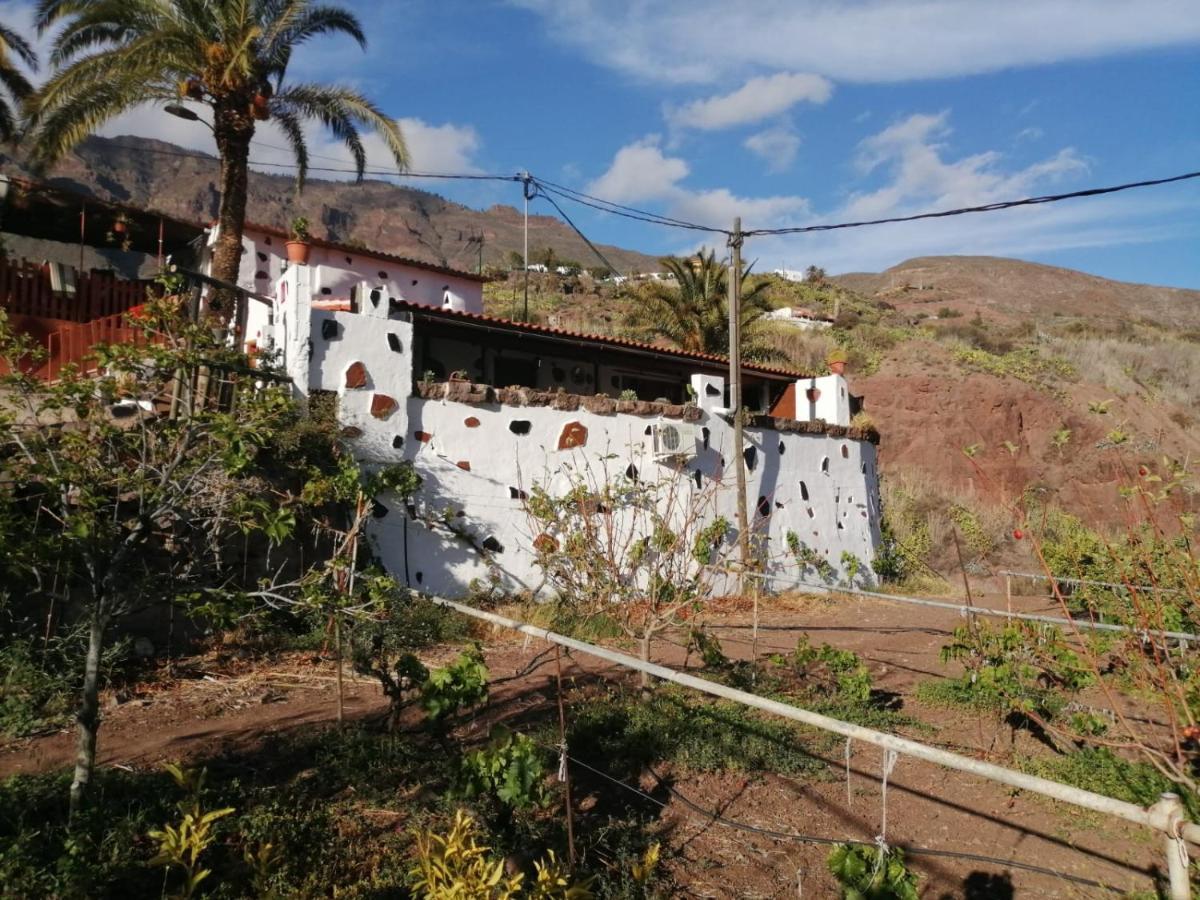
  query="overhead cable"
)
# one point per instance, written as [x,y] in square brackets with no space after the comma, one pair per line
[392,173]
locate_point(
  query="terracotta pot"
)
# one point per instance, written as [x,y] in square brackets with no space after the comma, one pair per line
[838,368]
[298,251]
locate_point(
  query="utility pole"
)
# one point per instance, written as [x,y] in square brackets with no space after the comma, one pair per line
[526,182]
[735,394]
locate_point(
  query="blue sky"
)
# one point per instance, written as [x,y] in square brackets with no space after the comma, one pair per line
[790,112]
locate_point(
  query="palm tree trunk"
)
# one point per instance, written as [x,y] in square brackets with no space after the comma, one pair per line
[233,129]
[88,717]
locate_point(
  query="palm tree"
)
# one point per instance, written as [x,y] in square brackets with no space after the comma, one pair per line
[14,82]
[693,313]
[230,55]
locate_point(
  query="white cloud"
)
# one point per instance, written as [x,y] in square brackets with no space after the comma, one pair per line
[640,173]
[777,146]
[1033,133]
[758,99]
[912,152]
[703,41]
[432,148]
[919,174]
[906,168]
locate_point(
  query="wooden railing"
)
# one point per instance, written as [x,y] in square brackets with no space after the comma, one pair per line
[74,344]
[26,289]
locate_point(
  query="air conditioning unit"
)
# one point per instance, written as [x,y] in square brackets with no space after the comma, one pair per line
[674,440]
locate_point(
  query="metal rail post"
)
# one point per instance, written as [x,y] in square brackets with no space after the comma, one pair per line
[1170,808]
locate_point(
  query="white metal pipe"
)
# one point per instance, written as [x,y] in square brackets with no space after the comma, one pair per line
[976,610]
[1159,817]
[1178,881]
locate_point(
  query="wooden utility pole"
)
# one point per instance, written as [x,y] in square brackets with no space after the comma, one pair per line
[735,394]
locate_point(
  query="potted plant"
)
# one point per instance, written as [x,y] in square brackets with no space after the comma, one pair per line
[459,375]
[299,247]
[121,223]
[837,361]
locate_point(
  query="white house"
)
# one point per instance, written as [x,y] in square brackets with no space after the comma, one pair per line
[485,409]
[341,276]
[799,317]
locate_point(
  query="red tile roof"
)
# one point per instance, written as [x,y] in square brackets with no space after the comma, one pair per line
[600,339]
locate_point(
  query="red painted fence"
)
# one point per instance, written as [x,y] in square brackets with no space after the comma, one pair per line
[25,289]
[74,344]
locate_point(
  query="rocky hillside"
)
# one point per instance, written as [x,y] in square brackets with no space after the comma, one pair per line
[1012,290]
[378,214]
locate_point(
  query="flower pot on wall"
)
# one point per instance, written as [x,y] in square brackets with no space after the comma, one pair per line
[298,252]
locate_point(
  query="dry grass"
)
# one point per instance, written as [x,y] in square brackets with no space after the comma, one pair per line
[1153,363]
[923,513]
[805,350]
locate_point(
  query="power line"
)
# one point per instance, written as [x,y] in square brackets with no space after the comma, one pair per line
[617,208]
[655,219]
[567,219]
[986,207]
[547,188]
[395,173]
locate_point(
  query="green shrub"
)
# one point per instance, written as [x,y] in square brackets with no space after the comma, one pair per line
[865,873]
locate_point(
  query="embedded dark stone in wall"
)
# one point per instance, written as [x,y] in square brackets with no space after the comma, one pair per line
[262,257]
[515,493]
[383,276]
[471,422]
[351,431]
[492,545]
[698,478]
[464,464]
[394,342]
[260,275]
[420,576]
[649,430]
[574,434]
[764,507]
[329,329]
[750,454]
[803,491]
[382,406]
[356,375]
[781,448]
[423,436]
[520,426]
[705,434]
[375,296]
[778,505]
[378,510]
[631,472]
[845,452]
[397,442]
[712,390]
[813,394]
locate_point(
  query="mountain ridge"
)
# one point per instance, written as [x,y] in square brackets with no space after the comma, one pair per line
[391,218]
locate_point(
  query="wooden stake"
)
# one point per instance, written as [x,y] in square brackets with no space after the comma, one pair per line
[562,743]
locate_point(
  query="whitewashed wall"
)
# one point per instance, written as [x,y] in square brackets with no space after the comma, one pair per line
[477,460]
[335,272]
[838,476]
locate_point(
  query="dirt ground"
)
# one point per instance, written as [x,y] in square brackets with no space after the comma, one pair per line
[217,705]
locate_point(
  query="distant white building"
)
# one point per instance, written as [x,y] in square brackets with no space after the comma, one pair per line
[789,274]
[799,317]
